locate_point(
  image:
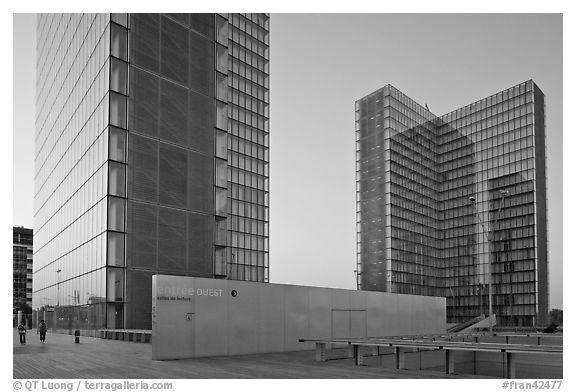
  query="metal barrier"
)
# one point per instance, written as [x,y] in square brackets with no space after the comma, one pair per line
[131,335]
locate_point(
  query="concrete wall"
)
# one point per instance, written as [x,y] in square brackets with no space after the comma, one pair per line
[198,317]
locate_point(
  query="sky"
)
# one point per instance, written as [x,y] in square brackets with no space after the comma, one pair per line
[320,64]
[319,69]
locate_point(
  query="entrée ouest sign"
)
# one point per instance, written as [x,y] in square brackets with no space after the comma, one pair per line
[174,293]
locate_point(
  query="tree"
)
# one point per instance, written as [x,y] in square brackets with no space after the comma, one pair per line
[25,308]
[555,316]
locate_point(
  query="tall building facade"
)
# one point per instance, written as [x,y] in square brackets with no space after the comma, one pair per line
[151,158]
[22,250]
[442,200]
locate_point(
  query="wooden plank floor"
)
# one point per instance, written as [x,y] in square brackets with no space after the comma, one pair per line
[60,357]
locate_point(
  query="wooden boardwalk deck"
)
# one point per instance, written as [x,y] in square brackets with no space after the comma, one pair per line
[97,358]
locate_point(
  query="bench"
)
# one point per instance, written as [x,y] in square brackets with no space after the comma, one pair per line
[449,346]
[131,335]
[464,336]
[538,336]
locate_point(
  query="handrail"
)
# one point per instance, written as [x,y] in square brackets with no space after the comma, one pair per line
[400,344]
[475,346]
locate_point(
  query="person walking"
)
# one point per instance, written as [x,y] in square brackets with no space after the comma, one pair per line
[42,328]
[22,332]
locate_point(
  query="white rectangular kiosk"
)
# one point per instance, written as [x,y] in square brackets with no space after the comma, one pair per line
[199,317]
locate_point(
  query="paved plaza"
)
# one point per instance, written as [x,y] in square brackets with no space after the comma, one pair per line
[60,357]
[97,358]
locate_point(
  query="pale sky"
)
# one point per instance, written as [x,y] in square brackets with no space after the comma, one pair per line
[319,65]
[322,63]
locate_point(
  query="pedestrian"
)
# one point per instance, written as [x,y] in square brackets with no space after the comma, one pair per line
[22,332]
[42,328]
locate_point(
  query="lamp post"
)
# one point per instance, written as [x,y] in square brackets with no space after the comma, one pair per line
[357,275]
[453,304]
[489,234]
[58,288]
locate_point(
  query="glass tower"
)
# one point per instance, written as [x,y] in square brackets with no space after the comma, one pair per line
[22,248]
[151,158]
[440,200]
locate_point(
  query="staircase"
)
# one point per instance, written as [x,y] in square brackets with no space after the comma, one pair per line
[468,324]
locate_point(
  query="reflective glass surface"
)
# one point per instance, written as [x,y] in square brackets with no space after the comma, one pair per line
[441,199]
[71,172]
[151,157]
[248,142]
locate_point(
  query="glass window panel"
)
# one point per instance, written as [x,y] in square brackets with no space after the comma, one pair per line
[117,147]
[221,172]
[221,58]
[221,87]
[116,179]
[138,294]
[121,19]
[221,144]
[220,261]
[222,30]
[220,237]
[221,115]
[118,76]
[115,284]
[221,201]
[115,315]
[115,249]
[115,214]
[117,110]
[119,42]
